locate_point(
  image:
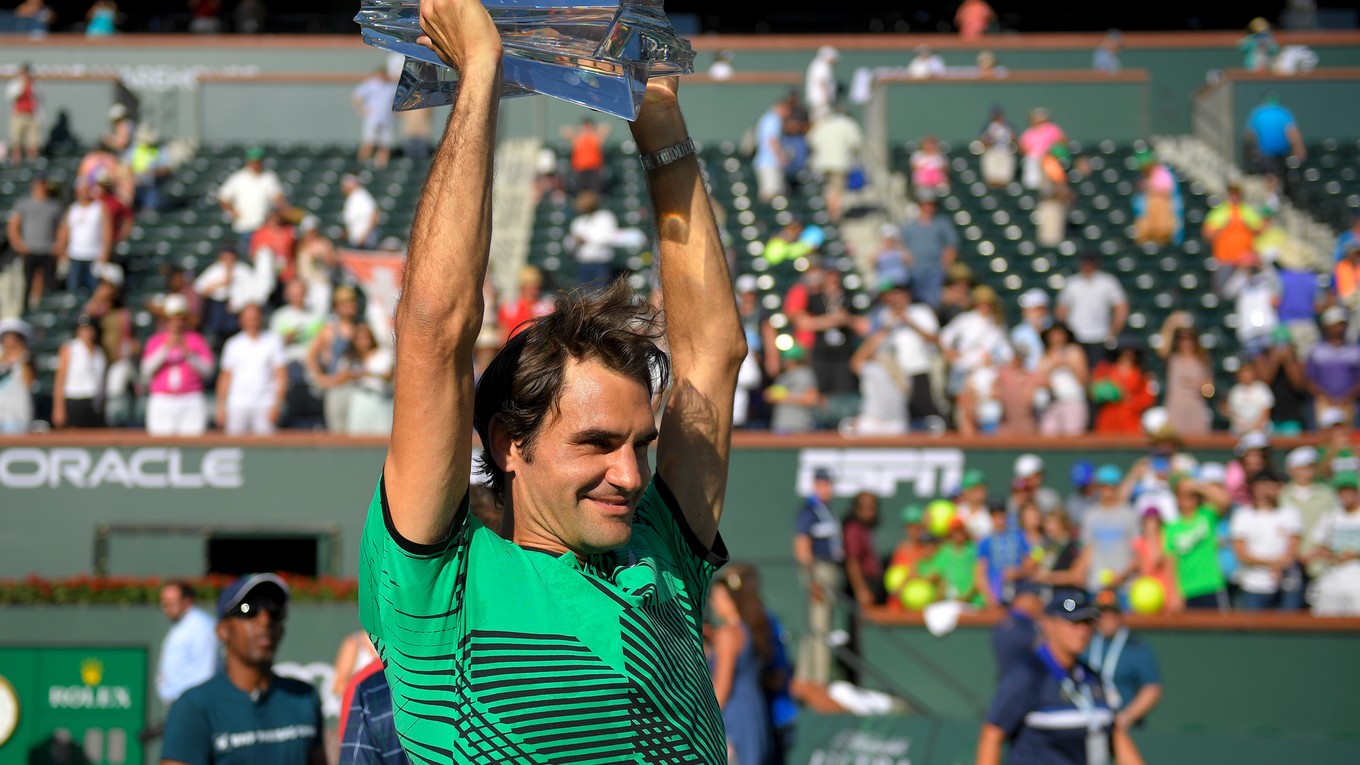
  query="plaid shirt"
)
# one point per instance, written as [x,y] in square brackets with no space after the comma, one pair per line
[369,736]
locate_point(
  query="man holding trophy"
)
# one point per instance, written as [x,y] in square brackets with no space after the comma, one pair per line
[574,635]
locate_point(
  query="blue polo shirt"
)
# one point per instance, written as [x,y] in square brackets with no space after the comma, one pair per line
[217,723]
[817,521]
[1135,666]
[1271,122]
[1043,725]
[1013,640]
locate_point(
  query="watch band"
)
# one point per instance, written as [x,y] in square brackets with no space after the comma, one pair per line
[667,155]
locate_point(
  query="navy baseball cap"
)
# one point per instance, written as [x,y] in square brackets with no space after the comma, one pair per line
[1074,607]
[241,589]
[821,474]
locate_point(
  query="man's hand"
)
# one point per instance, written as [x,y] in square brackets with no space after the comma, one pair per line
[221,417]
[460,32]
[659,123]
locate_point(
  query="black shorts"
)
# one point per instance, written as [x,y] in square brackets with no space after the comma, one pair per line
[83,413]
[40,260]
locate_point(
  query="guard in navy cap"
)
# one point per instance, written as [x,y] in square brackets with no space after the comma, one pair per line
[1050,708]
[1015,637]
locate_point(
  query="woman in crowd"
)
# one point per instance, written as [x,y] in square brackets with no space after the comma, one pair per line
[78,390]
[1061,553]
[1280,368]
[370,372]
[1189,376]
[742,646]
[1150,553]
[930,167]
[1253,455]
[16,378]
[1123,391]
[118,339]
[974,342]
[1157,205]
[998,156]
[1063,368]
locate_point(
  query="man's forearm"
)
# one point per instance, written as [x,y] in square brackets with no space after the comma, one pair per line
[1142,703]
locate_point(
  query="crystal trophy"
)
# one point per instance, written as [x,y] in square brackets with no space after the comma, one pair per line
[595,53]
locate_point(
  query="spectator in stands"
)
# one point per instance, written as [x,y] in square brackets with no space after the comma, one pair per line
[1061,550]
[797,123]
[1249,402]
[933,244]
[149,166]
[721,68]
[1064,372]
[1156,206]
[743,646]
[248,194]
[25,103]
[1094,305]
[1303,492]
[974,340]
[1346,283]
[821,308]
[835,140]
[891,262]
[1149,549]
[1123,391]
[998,155]
[1107,535]
[226,287]
[1271,137]
[296,323]
[819,92]
[360,214]
[118,339]
[1027,336]
[246,711]
[119,213]
[1338,452]
[957,295]
[925,64]
[1281,369]
[32,229]
[587,154]
[35,17]
[794,396]
[1106,58]
[177,363]
[1003,559]
[953,567]
[930,168]
[1189,376]
[177,282]
[1254,454]
[1231,228]
[1348,237]
[863,566]
[325,358]
[1191,543]
[899,353]
[372,99]
[590,239]
[1083,496]
[84,239]
[973,18]
[1303,294]
[253,380]
[819,550]
[188,655]
[1259,46]
[1055,198]
[1333,368]
[102,19]
[914,548]
[272,249]
[1335,552]
[1028,486]
[769,162]
[1126,666]
[16,377]
[370,368]
[1036,143]
[531,303]
[1266,537]
[1254,288]
[78,390]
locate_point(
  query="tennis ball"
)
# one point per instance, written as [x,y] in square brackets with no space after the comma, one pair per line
[1147,595]
[895,577]
[1105,577]
[917,594]
[778,392]
[1037,554]
[938,515]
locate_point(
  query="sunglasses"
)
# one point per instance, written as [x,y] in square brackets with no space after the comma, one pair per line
[249,609]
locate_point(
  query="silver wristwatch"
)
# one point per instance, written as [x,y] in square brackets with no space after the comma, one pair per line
[667,155]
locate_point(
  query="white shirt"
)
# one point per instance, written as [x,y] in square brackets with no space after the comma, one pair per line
[84,370]
[821,84]
[1246,404]
[253,363]
[188,655]
[85,231]
[974,336]
[978,521]
[376,94]
[835,141]
[1339,531]
[592,235]
[360,207]
[1254,303]
[250,194]
[1265,534]
[244,288]
[926,66]
[1090,305]
[911,350]
[377,371]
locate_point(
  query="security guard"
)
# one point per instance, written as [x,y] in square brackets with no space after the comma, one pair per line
[1050,707]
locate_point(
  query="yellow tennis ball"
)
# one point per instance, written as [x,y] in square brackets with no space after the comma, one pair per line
[895,577]
[1106,577]
[917,594]
[1147,595]
[938,515]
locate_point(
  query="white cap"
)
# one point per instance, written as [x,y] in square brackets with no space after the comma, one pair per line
[1033,298]
[746,283]
[1301,457]
[1183,463]
[18,327]
[1027,465]
[1331,416]
[828,52]
[175,305]
[1334,315]
[1213,473]
[1253,440]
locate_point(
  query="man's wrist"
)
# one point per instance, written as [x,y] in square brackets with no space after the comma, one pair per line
[655,131]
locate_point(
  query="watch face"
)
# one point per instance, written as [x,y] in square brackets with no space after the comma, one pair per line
[9,710]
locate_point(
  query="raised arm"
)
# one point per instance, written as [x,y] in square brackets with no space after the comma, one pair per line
[706,341]
[440,313]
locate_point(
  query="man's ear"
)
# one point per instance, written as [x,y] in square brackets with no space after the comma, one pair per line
[502,448]
[222,630]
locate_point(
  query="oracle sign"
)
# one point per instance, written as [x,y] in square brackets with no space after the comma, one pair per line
[144,468]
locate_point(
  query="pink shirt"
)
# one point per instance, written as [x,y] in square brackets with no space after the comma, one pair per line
[177,375]
[1037,140]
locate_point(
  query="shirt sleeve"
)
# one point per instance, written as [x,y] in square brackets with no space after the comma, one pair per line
[802,525]
[662,526]
[188,734]
[1116,291]
[229,353]
[1237,527]
[1148,671]
[1015,697]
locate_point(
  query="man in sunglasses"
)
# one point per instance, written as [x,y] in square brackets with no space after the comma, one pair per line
[246,714]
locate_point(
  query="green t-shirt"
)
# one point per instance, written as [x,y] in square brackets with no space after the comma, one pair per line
[498,653]
[956,567]
[1194,545]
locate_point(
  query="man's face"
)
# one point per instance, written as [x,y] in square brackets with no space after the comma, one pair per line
[1187,499]
[253,637]
[1265,493]
[1071,637]
[1035,481]
[1036,314]
[1350,498]
[974,495]
[173,603]
[581,482]
[255,165]
[1108,493]
[1303,474]
[347,309]
[927,209]
[896,300]
[252,319]
[823,489]
[1110,622]
[296,294]
[1336,331]
[1088,267]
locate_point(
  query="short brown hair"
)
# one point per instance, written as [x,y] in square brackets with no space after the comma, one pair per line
[524,381]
